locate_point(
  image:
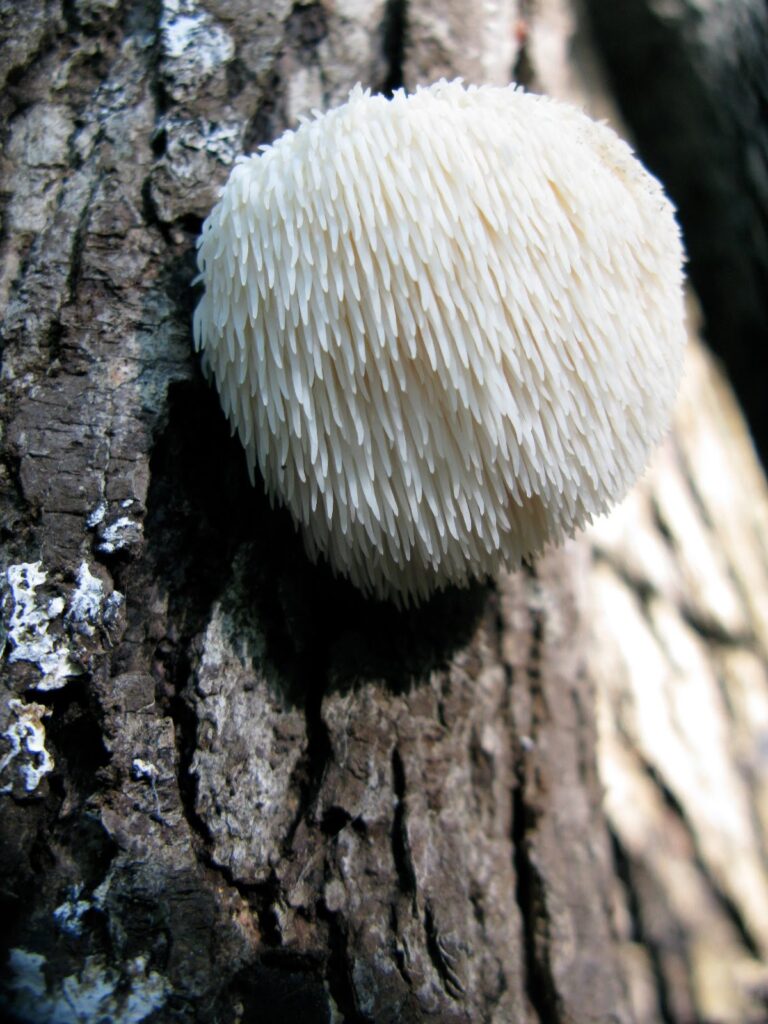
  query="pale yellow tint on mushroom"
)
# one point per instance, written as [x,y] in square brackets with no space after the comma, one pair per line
[447,328]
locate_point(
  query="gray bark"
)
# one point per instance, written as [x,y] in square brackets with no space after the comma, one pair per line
[232,788]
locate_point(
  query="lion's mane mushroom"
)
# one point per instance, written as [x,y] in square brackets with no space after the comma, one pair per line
[447,327]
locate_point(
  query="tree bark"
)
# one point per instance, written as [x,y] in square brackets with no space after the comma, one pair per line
[235,790]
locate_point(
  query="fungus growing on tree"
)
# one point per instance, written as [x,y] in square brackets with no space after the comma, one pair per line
[447,328]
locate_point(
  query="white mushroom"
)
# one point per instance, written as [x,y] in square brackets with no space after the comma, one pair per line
[447,327]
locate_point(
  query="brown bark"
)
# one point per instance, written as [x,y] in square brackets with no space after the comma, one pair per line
[233,789]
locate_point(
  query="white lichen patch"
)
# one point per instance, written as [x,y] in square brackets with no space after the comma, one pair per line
[48,630]
[96,516]
[123,533]
[28,626]
[23,756]
[184,180]
[145,771]
[87,601]
[222,141]
[112,606]
[69,914]
[141,769]
[187,137]
[194,47]
[97,992]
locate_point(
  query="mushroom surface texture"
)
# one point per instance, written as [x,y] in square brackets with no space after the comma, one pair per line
[447,327]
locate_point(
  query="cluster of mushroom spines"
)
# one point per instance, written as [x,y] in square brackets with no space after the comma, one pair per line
[447,328]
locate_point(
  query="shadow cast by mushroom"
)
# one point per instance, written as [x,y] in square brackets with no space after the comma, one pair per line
[212,537]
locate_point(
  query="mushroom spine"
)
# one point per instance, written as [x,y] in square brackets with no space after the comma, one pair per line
[447,327]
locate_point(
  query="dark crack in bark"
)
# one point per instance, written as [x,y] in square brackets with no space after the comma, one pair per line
[401,852]
[530,897]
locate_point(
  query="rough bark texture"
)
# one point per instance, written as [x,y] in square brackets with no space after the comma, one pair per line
[232,789]
[677,599]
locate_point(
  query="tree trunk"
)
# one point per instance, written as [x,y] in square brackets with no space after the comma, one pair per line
[235,790]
